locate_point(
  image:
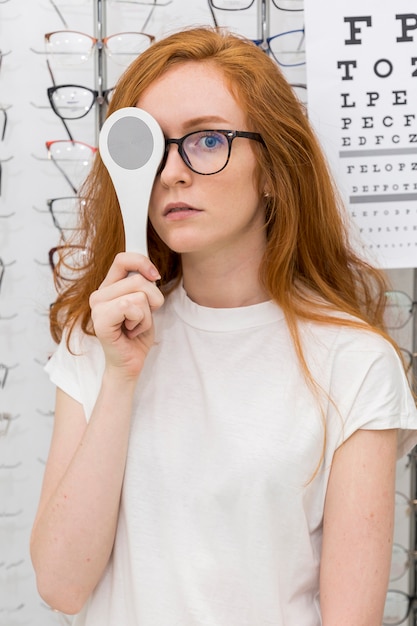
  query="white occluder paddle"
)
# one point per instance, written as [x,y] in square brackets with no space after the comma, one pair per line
[132,145]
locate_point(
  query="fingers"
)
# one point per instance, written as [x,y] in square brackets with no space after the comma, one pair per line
[129,314]
[126,262]
[131,284]
[124,302]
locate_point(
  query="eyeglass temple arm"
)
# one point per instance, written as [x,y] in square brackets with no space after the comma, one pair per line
[61,17]
[64,174]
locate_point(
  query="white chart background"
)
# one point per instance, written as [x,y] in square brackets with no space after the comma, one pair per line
[362,89]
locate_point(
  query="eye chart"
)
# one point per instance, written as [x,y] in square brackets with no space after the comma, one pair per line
[362,101]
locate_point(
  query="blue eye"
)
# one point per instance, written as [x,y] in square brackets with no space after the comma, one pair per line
[207,140]
[211,141]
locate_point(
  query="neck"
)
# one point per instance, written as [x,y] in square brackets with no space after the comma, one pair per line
[219,282]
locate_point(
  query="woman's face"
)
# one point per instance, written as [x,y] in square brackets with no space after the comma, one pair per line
[192,213]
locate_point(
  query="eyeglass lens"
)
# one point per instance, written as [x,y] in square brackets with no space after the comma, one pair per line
[397,608]
[242,5]
[72,158]
[399,309]
[68,260]
[71,102]
[400,561]
[205,151]
[64,212]
[288,49]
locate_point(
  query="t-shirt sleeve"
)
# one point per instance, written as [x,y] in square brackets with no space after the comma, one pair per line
[370,390]
[78,372]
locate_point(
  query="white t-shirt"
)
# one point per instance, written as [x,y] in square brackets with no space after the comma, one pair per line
[219,524]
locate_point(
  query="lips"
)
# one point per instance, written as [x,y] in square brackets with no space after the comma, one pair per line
[178,207]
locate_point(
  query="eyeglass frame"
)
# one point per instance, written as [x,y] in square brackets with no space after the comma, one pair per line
[54,266]
[211,3]
[48,145]
[50,204]
[230,135]
[411,558]
[265,45]
[96,42]
[411,600]
[156,3]
[412,303]
[98,98]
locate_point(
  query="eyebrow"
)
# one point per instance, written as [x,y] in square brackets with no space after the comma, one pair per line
[203,121]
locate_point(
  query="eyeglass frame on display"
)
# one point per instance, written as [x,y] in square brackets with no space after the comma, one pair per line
[412,304]
[265,45]
[50,202]
[99,97]
[48,145]
[54,266]
[264,41]
[408,358]
[411,558]
[96,42]
[411,600]
[211,3]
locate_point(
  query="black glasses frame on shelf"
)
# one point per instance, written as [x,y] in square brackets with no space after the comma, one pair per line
[249,3]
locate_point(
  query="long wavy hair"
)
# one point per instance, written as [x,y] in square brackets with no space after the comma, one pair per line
[309,267]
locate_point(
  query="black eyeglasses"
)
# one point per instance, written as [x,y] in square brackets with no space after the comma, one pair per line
[207,152]
[242,5]
[67,261]
[72,102]
[398,605]
[64,212]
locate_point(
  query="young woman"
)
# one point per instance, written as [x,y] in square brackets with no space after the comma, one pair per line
[228,415]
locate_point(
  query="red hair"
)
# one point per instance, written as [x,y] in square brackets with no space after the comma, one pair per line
[307,252]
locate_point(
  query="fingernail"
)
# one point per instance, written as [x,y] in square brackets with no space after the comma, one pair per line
[154,273]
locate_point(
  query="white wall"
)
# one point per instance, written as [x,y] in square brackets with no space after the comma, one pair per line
[26,235]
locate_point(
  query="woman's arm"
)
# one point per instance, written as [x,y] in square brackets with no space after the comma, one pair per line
[74,530]
[358,530]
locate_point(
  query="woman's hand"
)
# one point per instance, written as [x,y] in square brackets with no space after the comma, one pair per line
[121,312]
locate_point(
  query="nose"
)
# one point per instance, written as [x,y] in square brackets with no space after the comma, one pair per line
[173,168]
